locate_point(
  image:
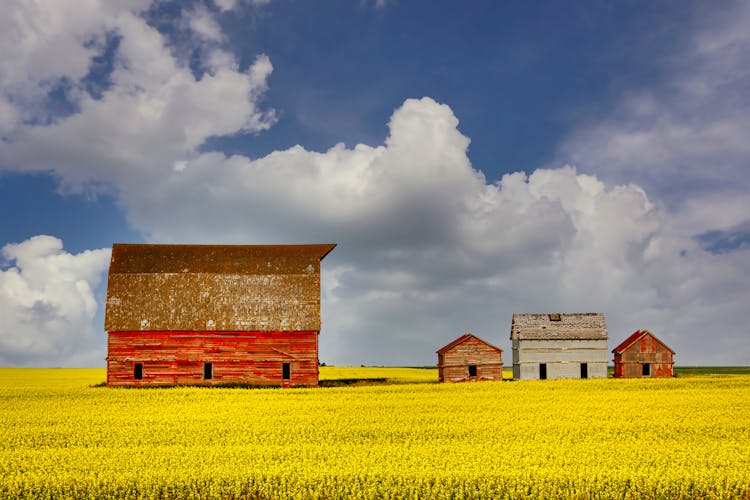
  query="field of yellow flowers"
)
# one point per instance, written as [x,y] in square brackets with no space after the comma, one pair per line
[61,436]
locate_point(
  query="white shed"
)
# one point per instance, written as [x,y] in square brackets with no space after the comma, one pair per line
[559,345]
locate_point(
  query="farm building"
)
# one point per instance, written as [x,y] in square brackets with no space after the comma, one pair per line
[469,358]
[213,314]
[643,355]
[549,346]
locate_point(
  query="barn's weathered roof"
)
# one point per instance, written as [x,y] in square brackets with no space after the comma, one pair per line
[463,338]
[558,326]
[214,287]
[635,337]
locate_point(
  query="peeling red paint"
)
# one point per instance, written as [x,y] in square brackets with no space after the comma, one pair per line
[177,358]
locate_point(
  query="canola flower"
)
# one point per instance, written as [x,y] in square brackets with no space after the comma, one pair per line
[677,438]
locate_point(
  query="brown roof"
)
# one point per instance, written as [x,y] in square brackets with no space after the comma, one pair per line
[558,326]
[635,336]
[214,287]
[463,338]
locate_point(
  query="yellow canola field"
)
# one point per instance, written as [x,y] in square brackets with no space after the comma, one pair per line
[680,438]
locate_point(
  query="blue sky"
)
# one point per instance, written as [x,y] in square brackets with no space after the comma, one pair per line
[471,161]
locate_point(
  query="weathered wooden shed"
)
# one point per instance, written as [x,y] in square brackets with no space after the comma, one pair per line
[559,345]
[643,355]
[469,358]
[213,314]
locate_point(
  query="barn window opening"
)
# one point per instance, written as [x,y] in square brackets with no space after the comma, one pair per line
[543,371]
[554,317]
[138,371]
[208,371]
[472,370]
[646,370]
[286,371]
[584,370]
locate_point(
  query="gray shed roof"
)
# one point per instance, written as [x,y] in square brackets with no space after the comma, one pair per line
[558,326]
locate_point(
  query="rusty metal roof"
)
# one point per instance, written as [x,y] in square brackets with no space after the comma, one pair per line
[463,338]
[214,287]
[218,259]
[558,326]
[635,336]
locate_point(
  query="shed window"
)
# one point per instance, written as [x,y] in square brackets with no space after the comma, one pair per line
[472,370]
[554,317]
[543,371]
[208,371]
[138,371]
[286,371]
[584,370]
[646,370]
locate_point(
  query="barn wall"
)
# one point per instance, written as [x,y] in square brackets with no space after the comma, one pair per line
[634,370]
[456,361]
[177,358]
[562,357]
[629,363]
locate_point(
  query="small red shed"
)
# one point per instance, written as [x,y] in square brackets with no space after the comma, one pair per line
[643,355]
[469,358]
[213,314]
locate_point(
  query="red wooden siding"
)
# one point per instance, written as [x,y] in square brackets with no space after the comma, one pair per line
[639,349]
[177,358]
[455,358]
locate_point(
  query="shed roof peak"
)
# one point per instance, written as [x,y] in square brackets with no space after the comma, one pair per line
[463,338]
[636,336]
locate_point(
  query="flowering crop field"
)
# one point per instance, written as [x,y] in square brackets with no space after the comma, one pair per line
[63,437]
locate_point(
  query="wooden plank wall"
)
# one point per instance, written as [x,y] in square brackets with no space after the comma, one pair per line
[177,358]
[456,361]
[562,357]
[629,364]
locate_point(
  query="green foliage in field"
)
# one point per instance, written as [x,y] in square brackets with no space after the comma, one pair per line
[677,438]
[696,371]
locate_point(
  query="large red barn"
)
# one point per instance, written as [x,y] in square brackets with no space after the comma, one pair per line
[643,355]
[213,314]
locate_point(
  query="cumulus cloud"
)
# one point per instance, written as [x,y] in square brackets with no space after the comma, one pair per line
[154,112]
[428,249]
[203,23]
[47,304]
[685,138]
[230,5]
[43,46]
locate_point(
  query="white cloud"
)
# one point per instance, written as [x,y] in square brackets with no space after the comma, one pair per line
[47,304]
[155,112]
[203,23]
[685,139]
[42,44]
[230,5]
[427,248]
[225,5]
